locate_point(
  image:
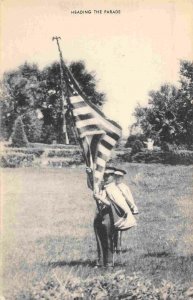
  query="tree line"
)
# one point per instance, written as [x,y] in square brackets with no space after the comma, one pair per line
[168,117]
[34,96]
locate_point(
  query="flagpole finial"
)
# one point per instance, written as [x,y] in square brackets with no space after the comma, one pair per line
[56,38]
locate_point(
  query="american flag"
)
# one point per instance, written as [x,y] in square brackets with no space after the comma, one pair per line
[97,134]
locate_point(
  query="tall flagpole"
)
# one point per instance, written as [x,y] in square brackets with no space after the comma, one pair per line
[63,101]
[67,78]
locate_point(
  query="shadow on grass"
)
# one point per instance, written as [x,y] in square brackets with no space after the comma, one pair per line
[189,257]
[167,254]
[85,263]
[157,254]
[72,263]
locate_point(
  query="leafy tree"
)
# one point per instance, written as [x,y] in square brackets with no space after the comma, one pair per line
[19,138]
[185,103]
[7,113]
[52,106]
[169,114]
[23,91]
[158,119]
[87,82]
[136,147]
[27,89]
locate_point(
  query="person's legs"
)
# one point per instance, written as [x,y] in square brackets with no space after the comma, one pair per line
[104,232]
[108,241]
[120,241]
[115,240]
[98,230]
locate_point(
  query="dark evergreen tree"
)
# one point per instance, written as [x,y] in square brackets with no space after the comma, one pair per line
[19,138]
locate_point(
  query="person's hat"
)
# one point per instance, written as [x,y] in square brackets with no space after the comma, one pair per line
[120,172]
[109,171]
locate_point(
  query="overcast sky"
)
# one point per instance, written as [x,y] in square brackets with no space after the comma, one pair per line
[132,52]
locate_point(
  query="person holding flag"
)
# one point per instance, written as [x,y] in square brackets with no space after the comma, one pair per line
[118,217]
[97,136]
[125,190]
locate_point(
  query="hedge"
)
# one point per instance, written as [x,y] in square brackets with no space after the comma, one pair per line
[16,160]
[53,146]
[64,153]
[61,163]
[174,157]
[34,151]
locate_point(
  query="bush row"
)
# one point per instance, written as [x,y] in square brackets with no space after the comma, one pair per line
[36,152]
[133,138]
[174,157]
[63,153]
[16,160]
[68,152]
[76,160]
[52,146]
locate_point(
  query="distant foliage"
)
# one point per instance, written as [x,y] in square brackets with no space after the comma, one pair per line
[132,138]
[16,160]
[169,114]
[33,127]
[35,151]
[87,82]
[171,157]
[19,138]
[64,153]
[27,88]
[165,147]
[48,134]
[137,147]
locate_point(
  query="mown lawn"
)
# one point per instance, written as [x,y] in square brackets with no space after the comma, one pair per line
[48,232]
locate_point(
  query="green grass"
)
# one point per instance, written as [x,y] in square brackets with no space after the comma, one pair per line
[48,232]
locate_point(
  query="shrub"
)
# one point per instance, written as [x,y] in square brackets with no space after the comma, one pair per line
[63,153]
[35,152]
[16,160]
[165,147]
[149,157]
[180,157]
[174,157]
[132,138]
[190,147]
[137,147]
[125,156]
[19,138]
[53,146]
[61,163]
[48,134]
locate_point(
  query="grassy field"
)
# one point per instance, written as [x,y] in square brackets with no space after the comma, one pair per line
[48,231]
